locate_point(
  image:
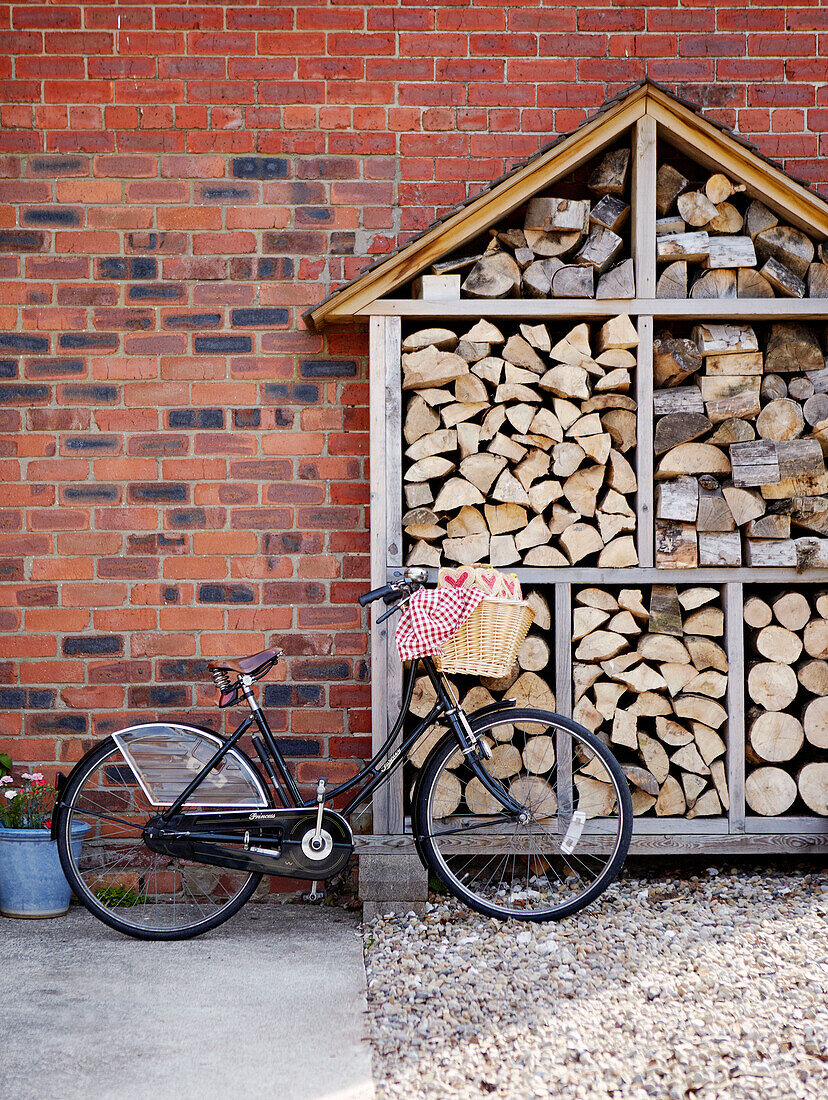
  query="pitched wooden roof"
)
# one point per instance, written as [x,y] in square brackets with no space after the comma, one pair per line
[708,142]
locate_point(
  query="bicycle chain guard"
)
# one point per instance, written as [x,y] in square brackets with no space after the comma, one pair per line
[271,842]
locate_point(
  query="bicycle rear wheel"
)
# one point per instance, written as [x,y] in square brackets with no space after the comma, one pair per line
[560,853]
[119,879]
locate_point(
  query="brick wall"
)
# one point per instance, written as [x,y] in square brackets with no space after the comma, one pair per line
[184,465]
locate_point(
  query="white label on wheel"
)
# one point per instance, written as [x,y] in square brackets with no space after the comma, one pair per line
[573,833]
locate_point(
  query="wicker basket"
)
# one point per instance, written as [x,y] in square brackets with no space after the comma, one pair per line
[488,641]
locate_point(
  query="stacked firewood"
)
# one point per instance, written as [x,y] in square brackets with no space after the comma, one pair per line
[529,683]
[740,436]
[787,686]
[650,680]
[734,245]
[519,450]
[566,248]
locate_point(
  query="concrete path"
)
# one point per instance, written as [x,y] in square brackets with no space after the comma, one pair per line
[271,1004]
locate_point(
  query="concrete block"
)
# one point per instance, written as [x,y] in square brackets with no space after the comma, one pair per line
[392,882]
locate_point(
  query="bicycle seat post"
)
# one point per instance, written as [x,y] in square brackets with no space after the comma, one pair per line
[247,689]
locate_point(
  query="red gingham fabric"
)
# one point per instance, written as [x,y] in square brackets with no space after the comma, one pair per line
[432,617]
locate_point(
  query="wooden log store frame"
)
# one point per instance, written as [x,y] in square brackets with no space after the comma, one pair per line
[647,113]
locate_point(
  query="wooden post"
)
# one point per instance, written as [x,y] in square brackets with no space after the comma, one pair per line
[735,646]
[643,205]
[644,445]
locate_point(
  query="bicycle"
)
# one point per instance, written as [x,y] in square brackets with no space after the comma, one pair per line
[517,812]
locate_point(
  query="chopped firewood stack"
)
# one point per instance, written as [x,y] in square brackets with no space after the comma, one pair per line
[650,677]
[715,241]
[529,682]
[787,711]
[740,437]
[520,449]
[565,248]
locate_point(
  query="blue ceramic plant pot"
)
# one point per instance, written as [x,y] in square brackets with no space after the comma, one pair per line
[32,883]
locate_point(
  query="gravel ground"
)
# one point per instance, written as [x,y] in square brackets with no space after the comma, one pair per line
[713,985]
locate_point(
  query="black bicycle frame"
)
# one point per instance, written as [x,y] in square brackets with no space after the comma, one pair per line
[383,764]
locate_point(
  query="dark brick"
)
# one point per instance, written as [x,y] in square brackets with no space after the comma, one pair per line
[292,695]
[171,594]
[92,443]
[267,267]
[343,243]
[247,418]
[156,292]
[320,668]
[40,698]
[12,698]
[100,341]
[298,746]
[157,544]
[128,267]
[17,394]
[15,341]
[57,166]
[92,394]
[58,723]
[260,168]
[193,320]
[159,695]
[254,317]
[292,394]
[21,240]
[213,192]
[147,242]
[11,569]
[102,645]
[307,243]
[92,494]
[51,215]
[9,368]
[196,418]
[328,368]
[65,367]
[222,345]
[180,670]
[41,595]
[187,517]
[226,593]
[313,214]
[292,542]
[160,493]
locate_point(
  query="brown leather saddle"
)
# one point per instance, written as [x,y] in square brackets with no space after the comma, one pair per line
[256,665]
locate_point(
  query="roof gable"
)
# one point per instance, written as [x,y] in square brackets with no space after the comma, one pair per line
[709,143]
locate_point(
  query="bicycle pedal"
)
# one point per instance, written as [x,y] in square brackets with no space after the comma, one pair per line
[313,897]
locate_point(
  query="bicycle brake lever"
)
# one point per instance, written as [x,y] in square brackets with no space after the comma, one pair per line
[389,613]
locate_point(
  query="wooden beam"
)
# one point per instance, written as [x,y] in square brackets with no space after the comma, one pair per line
[644,445]
[735,760]
[736,309]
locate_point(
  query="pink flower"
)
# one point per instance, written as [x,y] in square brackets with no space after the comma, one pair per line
[37,777]
[6,779]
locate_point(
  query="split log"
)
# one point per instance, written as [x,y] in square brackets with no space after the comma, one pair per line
[665,611]
[727,396]
[610,212]
[670,226]
[750,284]
[744,505]
[759,218]
[773,387]
[728,219]
[813,675]
[670,801]
[678,500]
[720,548]
[600,250]
[557,215]
[573,281]
[724,339]
[696,458]
[674,360]
[782,279]
[730,253]
[610,176]
[534,654]
[791,347]
[420,420]
[676,544]
[430,367]
[552,244]
[619,282]
[692,247]
[817,280]
[781,419]
[789,246]
[714,284]
[685,399]
[670,183]
[672,282]
[494,276]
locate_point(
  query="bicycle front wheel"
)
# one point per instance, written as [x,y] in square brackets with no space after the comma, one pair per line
[558,854]
[118,878]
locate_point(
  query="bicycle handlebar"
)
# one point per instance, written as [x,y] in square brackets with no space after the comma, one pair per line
[380,594]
